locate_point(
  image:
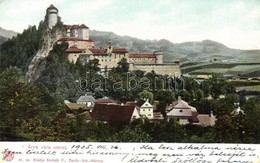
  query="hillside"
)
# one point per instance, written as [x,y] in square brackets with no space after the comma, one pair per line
[5,34]
[3,39]
[204,51]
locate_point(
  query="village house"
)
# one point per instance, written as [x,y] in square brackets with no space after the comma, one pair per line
[74,109]
[144,108]
[186,114]
[114,113]
[88,100]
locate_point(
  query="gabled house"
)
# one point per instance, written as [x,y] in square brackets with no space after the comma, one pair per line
[86,99]
[206,120]
[114,113]
[183,112]
[74,109]
[186,114]
[145,109]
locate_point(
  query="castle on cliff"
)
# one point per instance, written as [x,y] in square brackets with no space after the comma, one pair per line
[81,46]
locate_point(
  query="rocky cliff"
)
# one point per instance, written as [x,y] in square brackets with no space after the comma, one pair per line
[38,62]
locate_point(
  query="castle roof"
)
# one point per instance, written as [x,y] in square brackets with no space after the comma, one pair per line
[52,7]
[119,50]
[73,39]
[138,55]
[74,49]
[98,51]
[75,26]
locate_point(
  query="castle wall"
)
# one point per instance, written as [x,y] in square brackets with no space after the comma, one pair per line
[142,60]
[163,69]
[81,44]
[83,33]
[73,57]
[107,60]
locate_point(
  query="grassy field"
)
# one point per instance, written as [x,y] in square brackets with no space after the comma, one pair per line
[223,68]
[249,88]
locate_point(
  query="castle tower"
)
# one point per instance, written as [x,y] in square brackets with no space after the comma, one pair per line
[52,16]
[159,57]
[83,32]
[109,47]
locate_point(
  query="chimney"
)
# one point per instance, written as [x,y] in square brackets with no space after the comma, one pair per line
[211,114]
[179,99]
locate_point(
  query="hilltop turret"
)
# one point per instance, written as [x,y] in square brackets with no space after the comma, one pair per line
[52,16]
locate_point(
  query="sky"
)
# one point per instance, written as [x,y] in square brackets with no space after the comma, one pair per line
[235,23]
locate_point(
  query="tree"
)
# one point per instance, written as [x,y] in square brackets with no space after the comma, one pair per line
[18,51]
[226,130]
[123,65]
[165,97]
[146,95]
[60,76]
[20,101]
[128,134]
[215,86]
[251,120]
[167,132]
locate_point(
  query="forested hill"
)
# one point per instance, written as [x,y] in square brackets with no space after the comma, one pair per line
[19,51]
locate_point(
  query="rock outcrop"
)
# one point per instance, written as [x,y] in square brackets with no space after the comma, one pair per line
[38,62]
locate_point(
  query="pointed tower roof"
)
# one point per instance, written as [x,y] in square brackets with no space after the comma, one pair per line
[52,7]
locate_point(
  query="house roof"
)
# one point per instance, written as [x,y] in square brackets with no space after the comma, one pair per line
[206,120]
[86,98]
[75,106]
[99,51]
[74,49]
[119,50]
[67,27]
[147,105]
[195,116]
[112,113]
[140,102]
[180,113]
[73,39]
[130,103]
[104,100]
[181,104]
[87,115]
[183,109]
[76,26]
[137,55]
